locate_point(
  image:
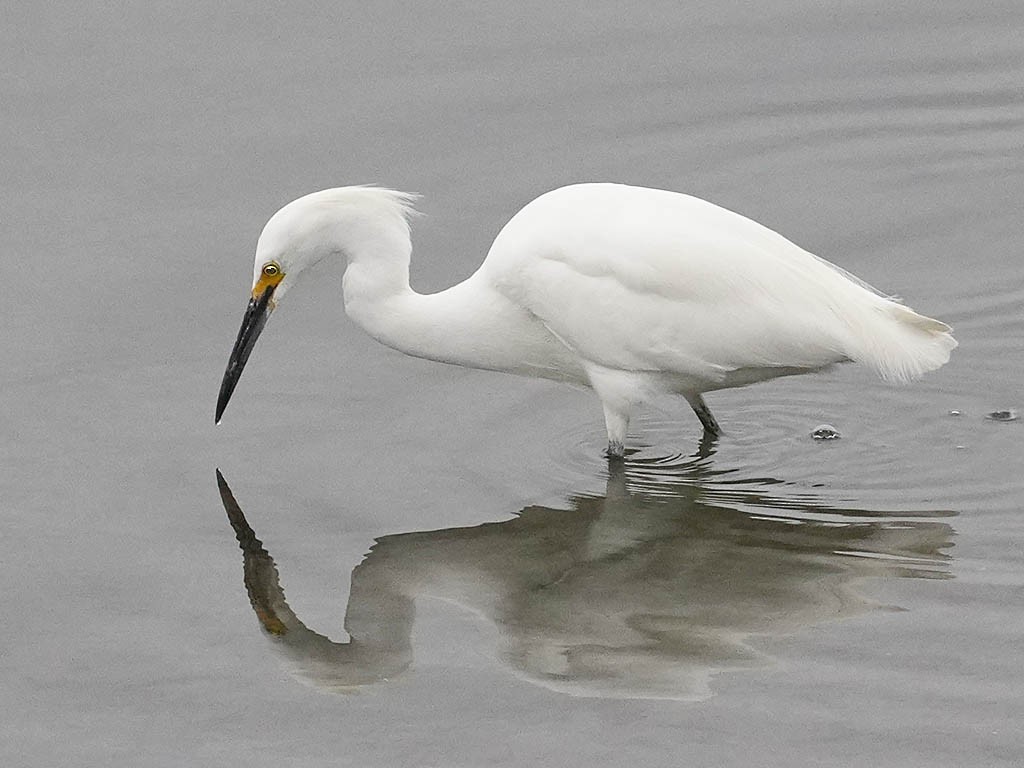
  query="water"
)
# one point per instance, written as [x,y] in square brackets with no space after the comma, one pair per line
[770,599]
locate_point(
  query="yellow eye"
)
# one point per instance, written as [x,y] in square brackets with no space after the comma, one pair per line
[271,270]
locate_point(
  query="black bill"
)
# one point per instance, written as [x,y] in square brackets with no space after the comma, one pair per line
[256,315]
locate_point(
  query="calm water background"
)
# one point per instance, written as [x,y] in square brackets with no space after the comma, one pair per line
[796,603]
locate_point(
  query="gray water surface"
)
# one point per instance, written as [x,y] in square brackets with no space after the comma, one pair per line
[468,582]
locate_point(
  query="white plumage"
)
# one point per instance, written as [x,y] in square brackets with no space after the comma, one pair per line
[631,291]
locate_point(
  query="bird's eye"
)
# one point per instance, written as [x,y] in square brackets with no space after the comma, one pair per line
[271,270]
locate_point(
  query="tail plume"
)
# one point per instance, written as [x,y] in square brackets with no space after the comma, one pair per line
[900,344]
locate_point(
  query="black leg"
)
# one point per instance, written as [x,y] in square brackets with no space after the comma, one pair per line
[704,414]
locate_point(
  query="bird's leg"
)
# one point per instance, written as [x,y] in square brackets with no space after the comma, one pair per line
[707,445]
[617,423]
[704,414]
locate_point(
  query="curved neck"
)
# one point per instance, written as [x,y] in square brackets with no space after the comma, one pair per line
[470,324]
[378,297]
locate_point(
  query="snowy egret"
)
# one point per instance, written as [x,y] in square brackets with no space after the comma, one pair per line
[633,292]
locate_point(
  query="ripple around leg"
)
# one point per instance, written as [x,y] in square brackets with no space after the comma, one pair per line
[900,445]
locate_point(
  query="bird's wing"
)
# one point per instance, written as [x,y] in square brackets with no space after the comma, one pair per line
[637,279]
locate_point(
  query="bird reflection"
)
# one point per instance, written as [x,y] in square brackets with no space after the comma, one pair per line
[645,592]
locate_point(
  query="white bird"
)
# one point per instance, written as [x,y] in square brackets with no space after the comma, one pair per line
[633,292]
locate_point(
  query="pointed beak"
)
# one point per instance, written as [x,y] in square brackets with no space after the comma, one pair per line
[256,314]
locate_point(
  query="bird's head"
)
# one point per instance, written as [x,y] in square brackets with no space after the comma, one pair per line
[296,237]
[344,221]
